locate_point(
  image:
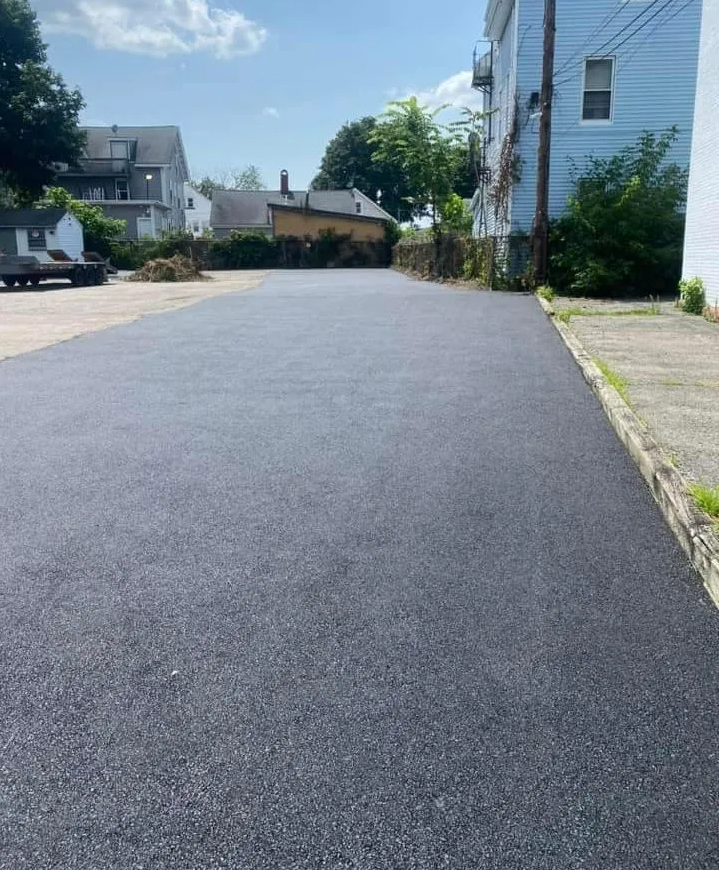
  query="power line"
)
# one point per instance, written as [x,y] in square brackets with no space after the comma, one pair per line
[614,48]
[658,26]
[597,30]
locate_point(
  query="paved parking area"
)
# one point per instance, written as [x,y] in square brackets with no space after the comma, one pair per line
[349,572]
[34,318]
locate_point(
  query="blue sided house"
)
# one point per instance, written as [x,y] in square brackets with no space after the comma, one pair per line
[622,67]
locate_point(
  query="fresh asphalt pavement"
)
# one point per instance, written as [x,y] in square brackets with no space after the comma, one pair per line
[348,571]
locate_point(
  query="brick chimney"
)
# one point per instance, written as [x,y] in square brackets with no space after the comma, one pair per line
[285,183]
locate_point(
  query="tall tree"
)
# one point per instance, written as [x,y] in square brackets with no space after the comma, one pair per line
[409,138]
[38,113]
[349,162]
[250,178]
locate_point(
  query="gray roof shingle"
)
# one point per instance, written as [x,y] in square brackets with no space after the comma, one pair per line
[154,144]
[249,208]
[32,217]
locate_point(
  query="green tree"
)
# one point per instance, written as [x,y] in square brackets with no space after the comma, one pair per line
[409,138]
[250,178]
[207,186]
[99,230]
[349,162]
[623,231]
[456,216]
[38,113]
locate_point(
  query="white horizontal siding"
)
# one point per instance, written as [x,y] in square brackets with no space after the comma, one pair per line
[69,237]
[701,252]
[655,80]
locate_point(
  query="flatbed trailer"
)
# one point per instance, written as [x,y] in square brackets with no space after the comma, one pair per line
[23,270]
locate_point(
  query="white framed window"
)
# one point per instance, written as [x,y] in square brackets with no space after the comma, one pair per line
[190,202]
[358,207]
[598,92]
[119,149]
[122,191]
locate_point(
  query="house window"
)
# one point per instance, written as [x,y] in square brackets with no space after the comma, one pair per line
[36,240]
[190,202]
[598,90]
[121,189]
[119,149]
[358,207]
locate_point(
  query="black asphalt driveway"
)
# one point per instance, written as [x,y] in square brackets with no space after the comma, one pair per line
[348,572]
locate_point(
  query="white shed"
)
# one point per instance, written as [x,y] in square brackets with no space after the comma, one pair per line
[34,232]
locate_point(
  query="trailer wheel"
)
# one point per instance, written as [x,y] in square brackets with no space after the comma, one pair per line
[22,280]
[76,277]
[8,281]
[35,280]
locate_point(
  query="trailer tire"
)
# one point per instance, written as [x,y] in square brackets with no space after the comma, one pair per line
[8,281]
[35,280]
[23,280]
[76,277]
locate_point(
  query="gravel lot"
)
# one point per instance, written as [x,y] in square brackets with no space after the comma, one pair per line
[671,362]
[35,318]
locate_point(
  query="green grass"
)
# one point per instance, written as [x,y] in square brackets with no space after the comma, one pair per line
[566,314]
[614,379]
[706,498]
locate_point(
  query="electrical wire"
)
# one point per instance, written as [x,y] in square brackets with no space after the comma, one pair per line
[615,47]
[613,13]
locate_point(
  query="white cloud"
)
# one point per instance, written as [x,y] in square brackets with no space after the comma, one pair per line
[159,28]
[271,112]
[455,91]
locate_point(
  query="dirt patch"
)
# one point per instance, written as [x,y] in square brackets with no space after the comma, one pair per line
[33,319]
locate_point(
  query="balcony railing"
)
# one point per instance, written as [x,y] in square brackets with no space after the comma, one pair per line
[482,71]
[110,167]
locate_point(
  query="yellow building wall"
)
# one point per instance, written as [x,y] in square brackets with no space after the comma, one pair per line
[299,224]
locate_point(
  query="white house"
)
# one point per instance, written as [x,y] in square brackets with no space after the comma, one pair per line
[197,211]
[34,232]
[701,250]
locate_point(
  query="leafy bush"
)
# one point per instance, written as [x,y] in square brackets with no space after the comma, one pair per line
[546,293]
[245,251]
[455,216]
[692,297]
[623,232]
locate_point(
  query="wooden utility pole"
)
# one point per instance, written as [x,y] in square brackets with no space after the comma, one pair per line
[541,216]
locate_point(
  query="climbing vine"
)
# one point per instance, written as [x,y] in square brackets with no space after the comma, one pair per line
[508,170]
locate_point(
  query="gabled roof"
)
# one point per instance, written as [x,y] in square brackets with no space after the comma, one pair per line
[32,217]
[250,208]
[154,145]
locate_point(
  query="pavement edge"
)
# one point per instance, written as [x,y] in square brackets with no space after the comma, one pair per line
[693,529]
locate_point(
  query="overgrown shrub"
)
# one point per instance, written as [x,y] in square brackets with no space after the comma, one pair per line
[245,251]
[546,292]
[692,297]
[623,231]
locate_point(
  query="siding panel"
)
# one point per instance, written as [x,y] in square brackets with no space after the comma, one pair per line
[701,253]
[654,89]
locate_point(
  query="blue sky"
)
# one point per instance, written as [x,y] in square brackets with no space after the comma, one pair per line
[258,81]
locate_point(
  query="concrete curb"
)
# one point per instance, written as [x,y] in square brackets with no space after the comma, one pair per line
[693,529]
